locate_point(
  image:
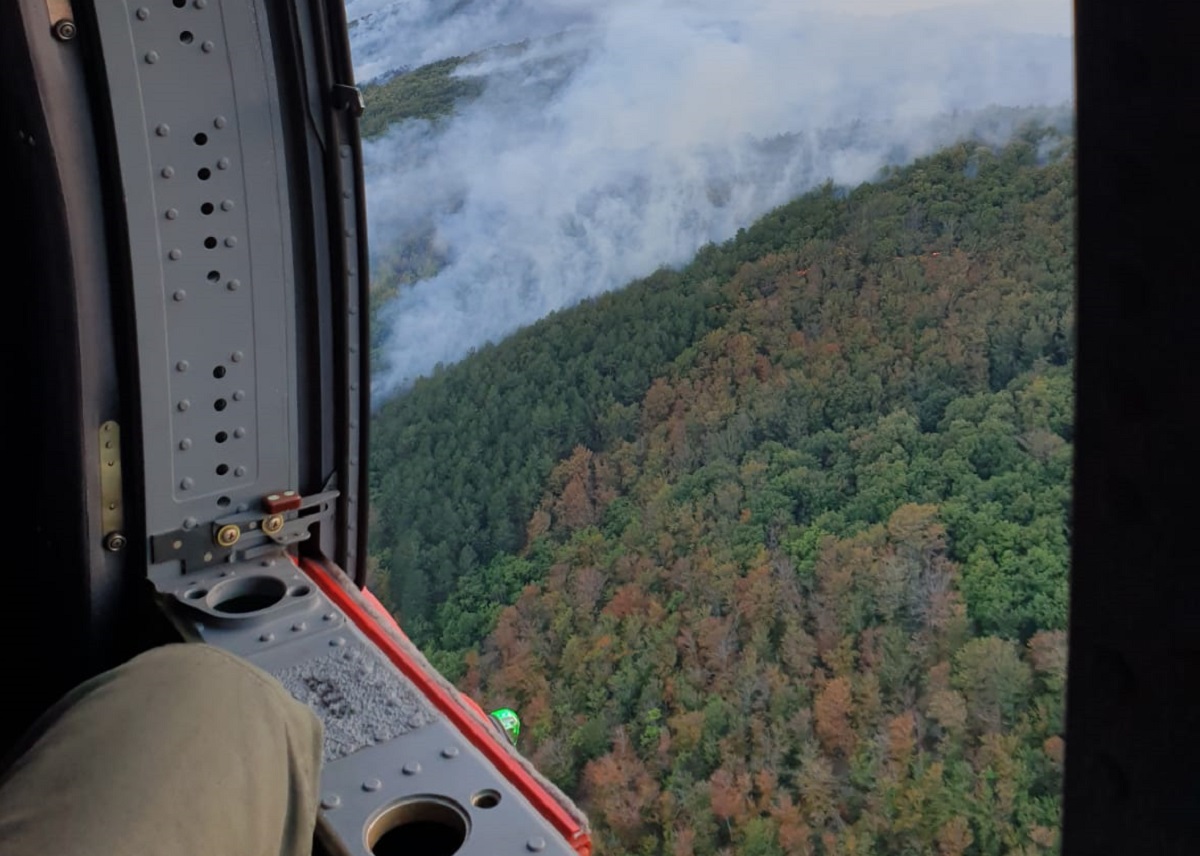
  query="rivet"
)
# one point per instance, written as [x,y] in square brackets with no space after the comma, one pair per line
[337,643]
[535,844]
[142,13]
[175,255]
[345,151]
[330,801]
[236,356]
[200,4]
[372,785]
[349,233]
[233,284]
[226,204]
[267,637]
[238,395]
[353,424]
[223,163]
[189,523]
[239,432]
[299,627]
[185,444]
[354,349]
[346,194]
[152,57]
[267,563]
[182,366]
[167,172]
[176,545]
[353,310]
[231,241]
[329,616]
[208,557]
[172,213]
[354,387]
[207,46]
[180,296]
[220,122]
[186,484]
[239,471]
[183,405]
[242,507]
[411,768]
[450,752]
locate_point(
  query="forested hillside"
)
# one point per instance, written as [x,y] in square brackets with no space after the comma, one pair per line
[797,581]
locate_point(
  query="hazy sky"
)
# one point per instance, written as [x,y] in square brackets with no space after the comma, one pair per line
[637,133]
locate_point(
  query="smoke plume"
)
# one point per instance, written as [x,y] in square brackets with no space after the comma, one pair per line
[622,135]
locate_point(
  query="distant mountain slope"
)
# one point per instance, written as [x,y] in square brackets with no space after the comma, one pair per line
[459,462]
[810,596]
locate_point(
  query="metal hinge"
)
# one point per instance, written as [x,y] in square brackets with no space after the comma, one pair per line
[112,511]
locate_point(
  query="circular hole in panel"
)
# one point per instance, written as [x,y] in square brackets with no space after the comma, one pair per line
[243,595]
[485,799]
[214,276]
[204,174]
[179,4]
[206,208]
[220,404]
[186,37]
[222,437]
[299,591]
[210,243]
[219,372]
[200,139]
[222,469]
[195,594]
[223,501]
[425,825]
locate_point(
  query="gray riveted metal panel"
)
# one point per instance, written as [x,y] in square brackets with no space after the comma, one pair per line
[197,128]
[385,743]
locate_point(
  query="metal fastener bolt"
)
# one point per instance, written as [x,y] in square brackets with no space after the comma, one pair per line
[239,471]
[267,637]
[152,57]
[239,394]
[231,241]
[411,768]
[273,524]
[228,535]
[182,366]
[239,432]
[233,284]
[172,213]
[183,405]
[330,801]
[185,444]
[175,255]
[223,163]
[142,13]
[329,616]
[167,171]
[236,356]
[190,523]
[267,563]
[200,4]
[180,296]
[220,122]
[339,642]
[450,752]
[162,131]
[371,785]
[535,844]
[186,484]
[207,46]
[226,204]
[114,542]
[299,627]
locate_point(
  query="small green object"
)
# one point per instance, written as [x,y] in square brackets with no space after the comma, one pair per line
[509,721]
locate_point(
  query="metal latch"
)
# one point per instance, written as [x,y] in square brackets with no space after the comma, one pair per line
[112,511]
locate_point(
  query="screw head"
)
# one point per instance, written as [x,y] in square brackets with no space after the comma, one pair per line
[273,524]
[114,542]
[65,30]
[228,535]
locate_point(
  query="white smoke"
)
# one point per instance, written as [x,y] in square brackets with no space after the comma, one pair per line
[629,133]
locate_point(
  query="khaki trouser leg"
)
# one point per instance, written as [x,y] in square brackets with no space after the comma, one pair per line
[184,750]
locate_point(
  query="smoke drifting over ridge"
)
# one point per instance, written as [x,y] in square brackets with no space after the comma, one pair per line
[626,134]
